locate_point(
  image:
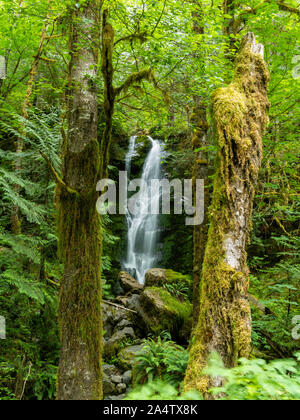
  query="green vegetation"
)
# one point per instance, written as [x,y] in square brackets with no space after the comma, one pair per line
[250,380]
[161,359]
[77,79]
[257,380]
[171,313]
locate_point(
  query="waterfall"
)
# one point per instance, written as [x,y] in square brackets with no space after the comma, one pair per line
[142,237]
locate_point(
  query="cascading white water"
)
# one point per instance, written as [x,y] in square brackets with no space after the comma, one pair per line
[142,237]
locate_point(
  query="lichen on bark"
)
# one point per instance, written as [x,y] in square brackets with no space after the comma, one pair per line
[239,113]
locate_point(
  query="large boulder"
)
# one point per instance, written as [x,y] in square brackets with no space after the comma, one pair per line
[108,386]
[129,284]
[161,311]
[160,277]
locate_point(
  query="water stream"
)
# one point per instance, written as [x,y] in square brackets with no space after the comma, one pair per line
[143,229]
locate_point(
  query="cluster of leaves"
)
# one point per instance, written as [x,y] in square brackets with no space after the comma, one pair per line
[180,290]
[160,390]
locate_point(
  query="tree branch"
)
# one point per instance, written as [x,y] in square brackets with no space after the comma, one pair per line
[56,177]
[159,19]
[285,7]
[137,77]
[142,37]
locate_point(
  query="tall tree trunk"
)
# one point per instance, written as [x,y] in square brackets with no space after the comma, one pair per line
[239,114]
[80,373]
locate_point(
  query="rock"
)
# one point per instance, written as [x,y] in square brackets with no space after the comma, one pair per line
[121,388]
[127,356]
[115,397]
[127,376]
[163,312]
[121,300]
[108,385]
[121,335]
[107,319]
[117,379]
[112,316]
[109,370]
[120,314]
[133,302]
[155,277]
[123,324]
[158,277]
[112,345]
[129,284]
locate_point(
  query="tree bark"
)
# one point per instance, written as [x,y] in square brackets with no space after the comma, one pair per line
[15,217]
[80,373]
[240,116]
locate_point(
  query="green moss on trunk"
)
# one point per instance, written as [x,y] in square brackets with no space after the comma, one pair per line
[239,115]
[79,374]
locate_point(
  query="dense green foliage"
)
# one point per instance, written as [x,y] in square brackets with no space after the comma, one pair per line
[250,380]
[186,64]
[258,380]
[163,359]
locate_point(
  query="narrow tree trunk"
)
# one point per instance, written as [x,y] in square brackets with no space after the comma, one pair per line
[80,373]
[109,90]
[200,171]
[239,114]
[15,218]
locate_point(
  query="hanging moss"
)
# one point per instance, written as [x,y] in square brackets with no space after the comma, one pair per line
[135,78]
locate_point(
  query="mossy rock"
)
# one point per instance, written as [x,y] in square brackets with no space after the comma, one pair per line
[163,312]
[113,344]
[158,277]
[127,356]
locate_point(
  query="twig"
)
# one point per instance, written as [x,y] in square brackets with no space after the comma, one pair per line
[26,379]
[56,176]
[118,306]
